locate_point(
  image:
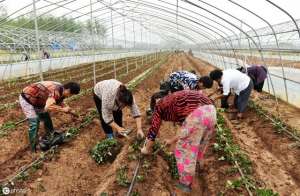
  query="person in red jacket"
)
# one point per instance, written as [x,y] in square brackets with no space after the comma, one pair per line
[197,114]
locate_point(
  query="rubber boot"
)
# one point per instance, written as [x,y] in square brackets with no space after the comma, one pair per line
[45,117]
[32,132]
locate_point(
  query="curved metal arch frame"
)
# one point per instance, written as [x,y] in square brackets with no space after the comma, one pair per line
[226,39]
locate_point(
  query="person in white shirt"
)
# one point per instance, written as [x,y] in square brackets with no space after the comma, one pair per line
[240,83]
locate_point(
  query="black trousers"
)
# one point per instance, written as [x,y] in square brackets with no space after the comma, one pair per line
[224,101]
[241,101]
[116,114]
[258,87]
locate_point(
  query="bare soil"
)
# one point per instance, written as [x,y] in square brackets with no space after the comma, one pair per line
[275,162]
[72,171]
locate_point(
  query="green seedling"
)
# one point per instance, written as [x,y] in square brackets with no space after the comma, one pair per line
[231,152]
[146,164]
[105,151]
[36,166]
[136,145]
[72,131]
[122,179]
[135,193]
[8,125]
[232,170]
[132,157]
[266,192]
[23,176]
[140,178]
[168,157]
[236,184]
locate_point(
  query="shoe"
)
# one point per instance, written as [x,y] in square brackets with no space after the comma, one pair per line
[110,136]
[181,190]
[184,188]
[149,112]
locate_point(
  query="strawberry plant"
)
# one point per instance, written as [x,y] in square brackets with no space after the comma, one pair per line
[122,178]
[266,192]
[135,194]
[278,124]
[106,151]
[140,178]
[231,152]
[169,158]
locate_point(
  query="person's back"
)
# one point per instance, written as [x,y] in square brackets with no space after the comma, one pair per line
[234,79]
[105,87]
[176,106]
[187,79]
[257,73]
[38,93]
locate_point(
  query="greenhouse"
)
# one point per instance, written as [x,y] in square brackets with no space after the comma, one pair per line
[150,97]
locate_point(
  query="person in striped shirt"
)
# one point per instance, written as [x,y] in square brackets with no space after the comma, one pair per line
[38,99]
[197,114]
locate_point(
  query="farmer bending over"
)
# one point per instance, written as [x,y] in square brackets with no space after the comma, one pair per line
[110,97]
[258,74]
[197,114]
[241,84]
[181,80]
[38,99]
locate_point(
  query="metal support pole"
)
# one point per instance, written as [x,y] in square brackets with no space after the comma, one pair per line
[93,44]
[37,40]
[124,28]
[141,36]
[115,71]
[127,68]
[136,62]
[177,25]
[112,26]
[133,34]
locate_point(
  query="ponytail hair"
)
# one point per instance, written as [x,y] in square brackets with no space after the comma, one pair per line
[125,96]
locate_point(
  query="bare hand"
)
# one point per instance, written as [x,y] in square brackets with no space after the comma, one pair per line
[66,109]
[168,142]
[120,130]
[144,150]
[147,147]
[140,134]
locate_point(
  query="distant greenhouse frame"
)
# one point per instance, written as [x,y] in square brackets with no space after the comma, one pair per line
[215,34]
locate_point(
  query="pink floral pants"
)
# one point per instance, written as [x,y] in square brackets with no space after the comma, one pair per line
[193,139]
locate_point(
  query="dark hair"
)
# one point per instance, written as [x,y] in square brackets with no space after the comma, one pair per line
[216,74]
[193,71]
[241,69]
[73,86]
[125,96]
[206,81]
